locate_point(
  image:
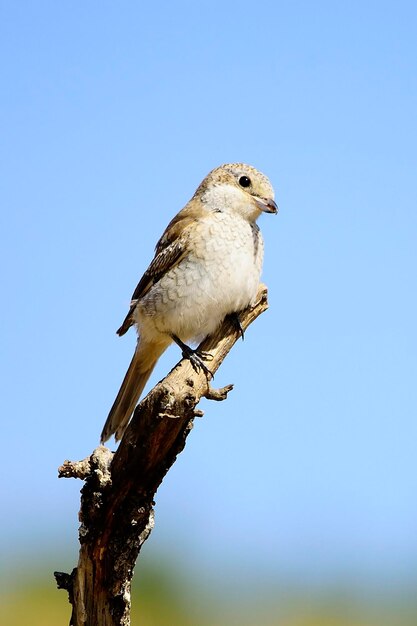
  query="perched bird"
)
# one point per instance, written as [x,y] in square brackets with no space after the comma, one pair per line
[207,265]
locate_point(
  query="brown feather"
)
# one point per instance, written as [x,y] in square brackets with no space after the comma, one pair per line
[171,248]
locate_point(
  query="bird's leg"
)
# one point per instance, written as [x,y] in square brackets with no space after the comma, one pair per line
[234,318]
[195,357]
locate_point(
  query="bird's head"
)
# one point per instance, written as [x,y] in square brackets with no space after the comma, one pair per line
[238,188]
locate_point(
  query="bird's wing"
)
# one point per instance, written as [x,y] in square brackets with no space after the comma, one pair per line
[172,247]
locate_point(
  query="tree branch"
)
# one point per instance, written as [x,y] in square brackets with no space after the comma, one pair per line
[117,498]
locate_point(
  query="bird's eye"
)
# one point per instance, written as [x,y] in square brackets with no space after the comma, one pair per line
[244,181]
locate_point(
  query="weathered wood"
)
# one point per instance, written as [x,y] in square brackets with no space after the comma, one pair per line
[117,498]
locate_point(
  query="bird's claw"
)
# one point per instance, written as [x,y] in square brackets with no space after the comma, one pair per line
[234,317]
[197,359]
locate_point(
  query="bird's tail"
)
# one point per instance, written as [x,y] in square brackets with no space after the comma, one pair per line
[140,368]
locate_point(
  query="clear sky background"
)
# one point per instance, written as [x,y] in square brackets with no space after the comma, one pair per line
[111,115]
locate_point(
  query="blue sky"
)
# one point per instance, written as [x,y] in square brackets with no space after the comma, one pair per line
[111,115]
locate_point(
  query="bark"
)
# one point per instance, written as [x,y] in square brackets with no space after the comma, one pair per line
[116,512]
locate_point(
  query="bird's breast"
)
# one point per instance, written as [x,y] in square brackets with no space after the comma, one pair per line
[219,275]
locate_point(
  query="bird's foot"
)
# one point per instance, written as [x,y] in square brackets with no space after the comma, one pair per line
[196,357]
[235,319]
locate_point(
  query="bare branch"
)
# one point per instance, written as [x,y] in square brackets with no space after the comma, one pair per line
[117,498]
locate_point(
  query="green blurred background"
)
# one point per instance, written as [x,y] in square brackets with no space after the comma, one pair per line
[166,595]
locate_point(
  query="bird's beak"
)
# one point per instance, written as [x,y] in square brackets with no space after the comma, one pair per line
[267,205]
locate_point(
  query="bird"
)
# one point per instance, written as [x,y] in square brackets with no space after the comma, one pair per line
[207,265]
